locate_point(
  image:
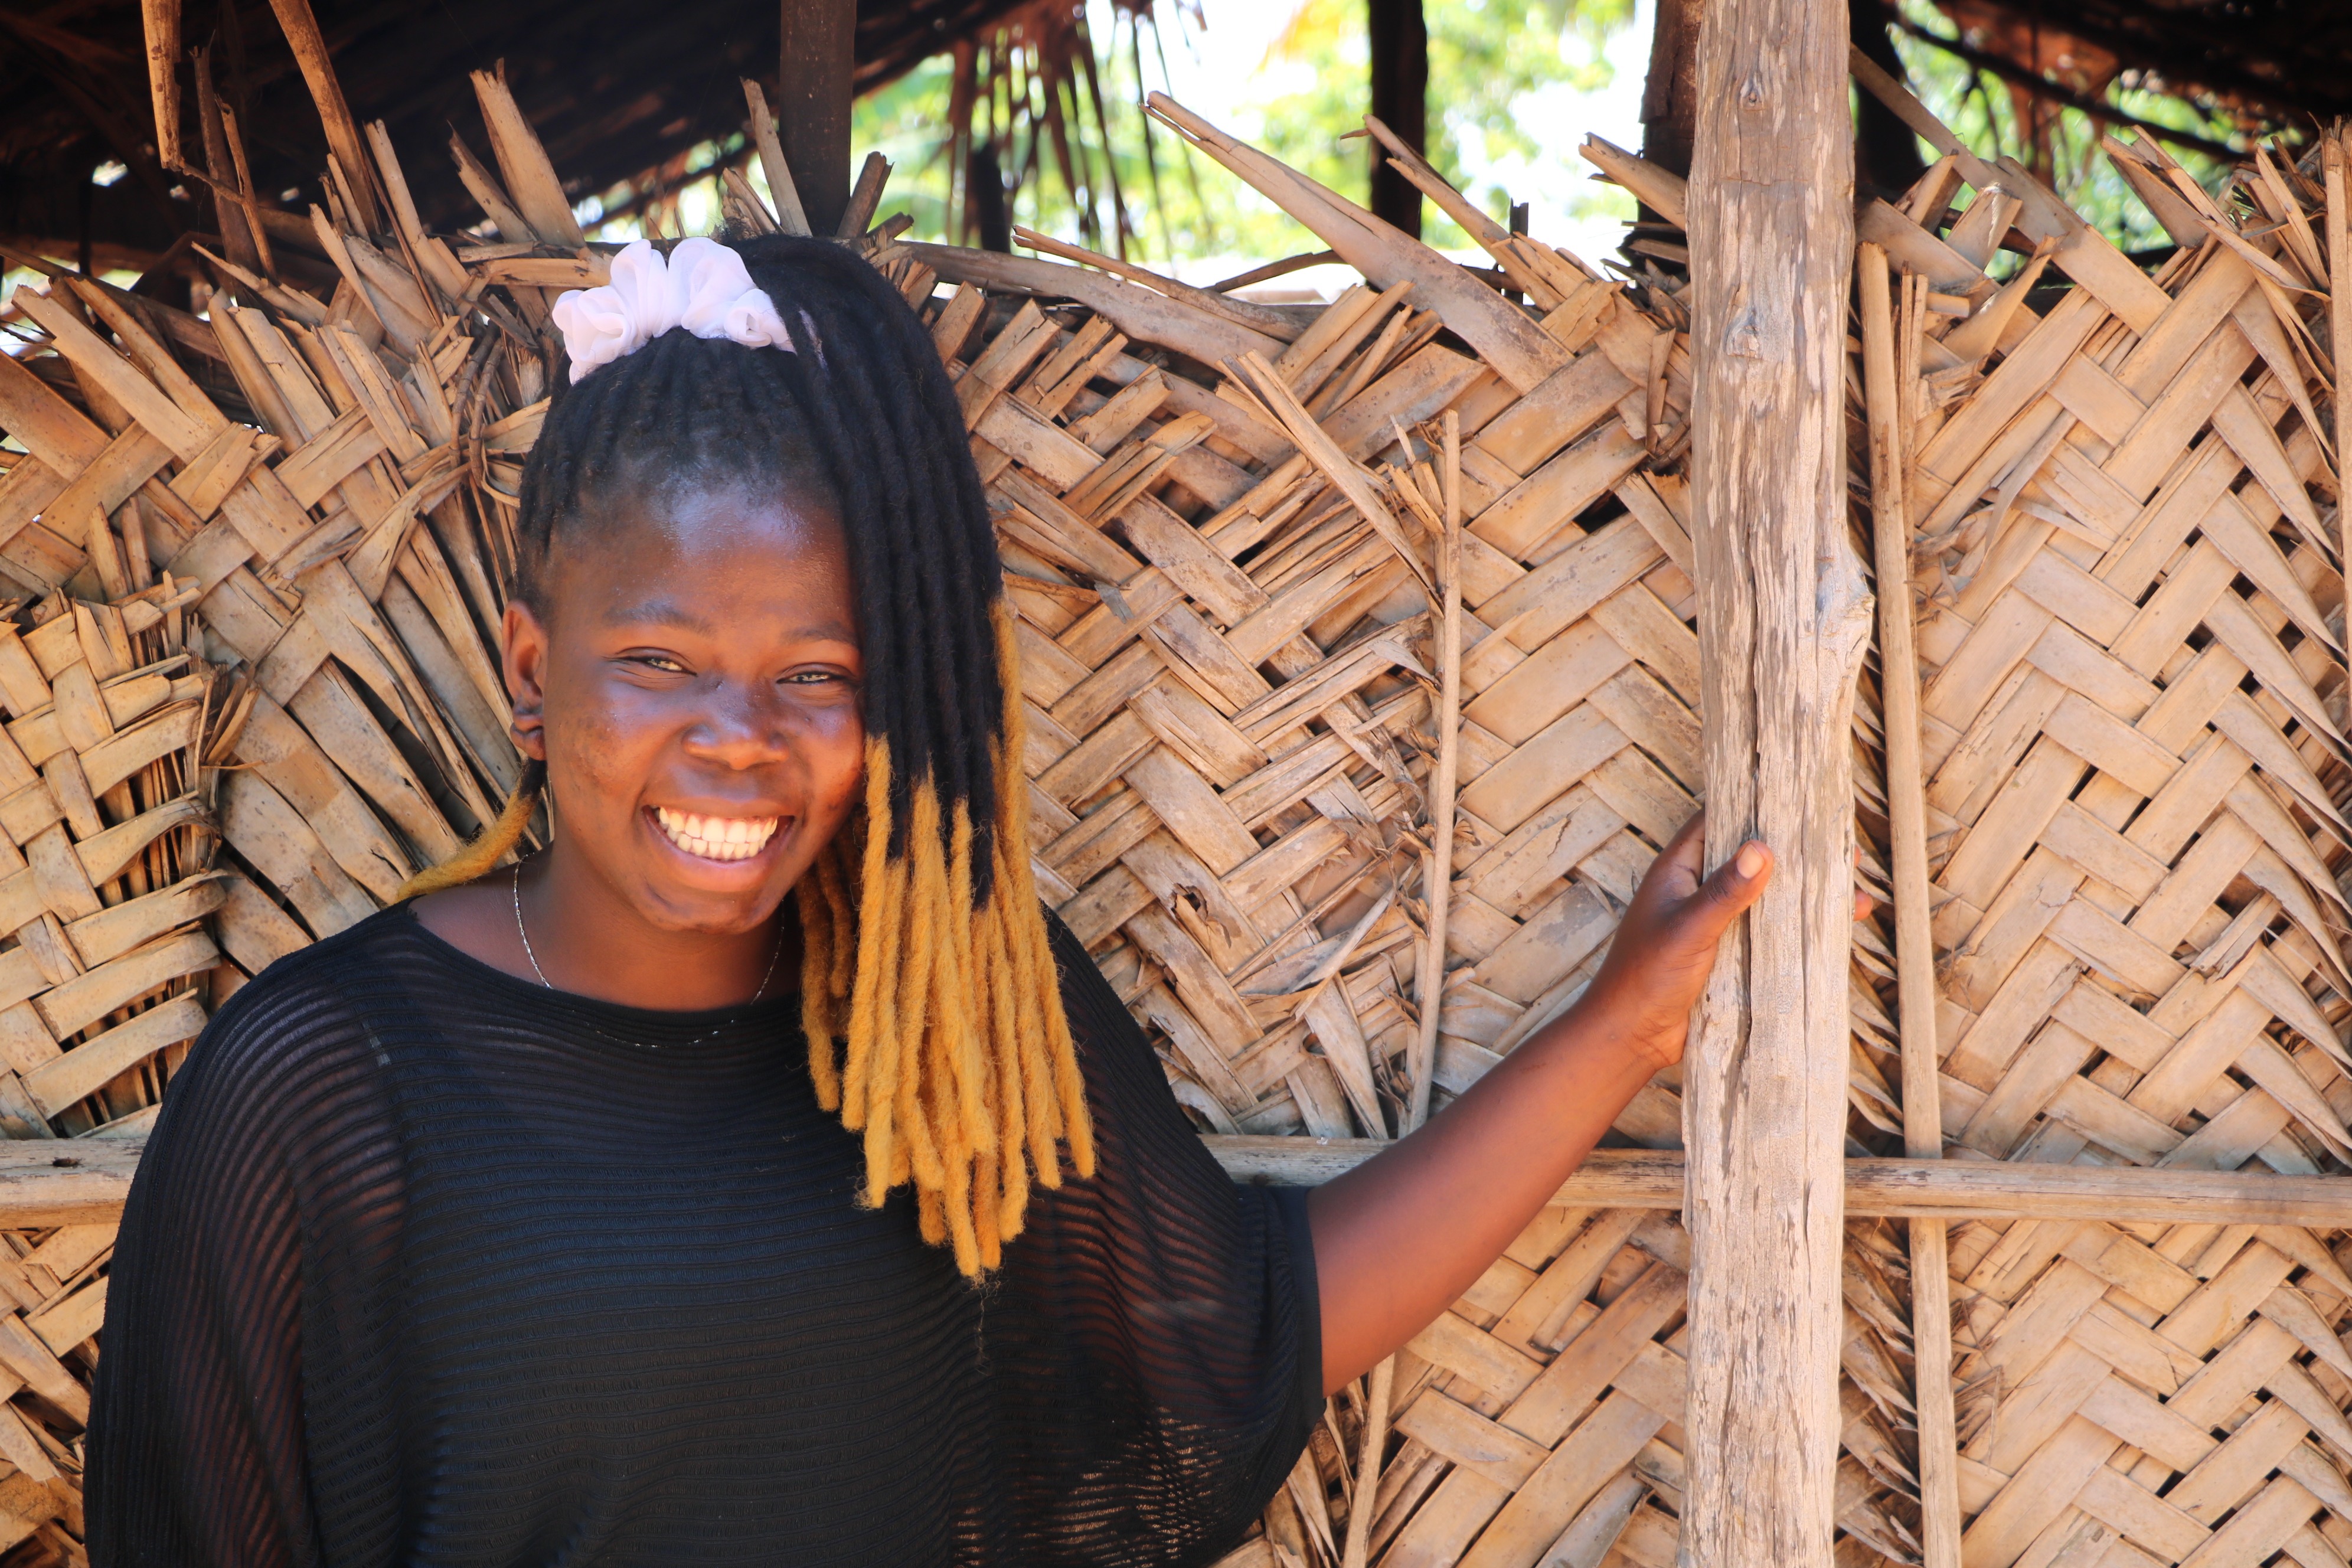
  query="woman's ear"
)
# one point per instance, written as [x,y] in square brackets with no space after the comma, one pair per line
[525,661]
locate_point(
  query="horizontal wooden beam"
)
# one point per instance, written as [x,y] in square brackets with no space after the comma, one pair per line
[1894,1189]
[66,1181]
[84,1180]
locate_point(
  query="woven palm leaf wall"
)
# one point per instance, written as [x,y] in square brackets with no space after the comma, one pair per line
[1220,523]
[2123,506]
[259,559]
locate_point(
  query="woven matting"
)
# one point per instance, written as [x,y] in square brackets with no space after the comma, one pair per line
[261,556]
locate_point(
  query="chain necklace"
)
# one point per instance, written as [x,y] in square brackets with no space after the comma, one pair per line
[520,930]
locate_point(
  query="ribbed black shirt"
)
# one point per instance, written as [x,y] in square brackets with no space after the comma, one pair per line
[426,1265]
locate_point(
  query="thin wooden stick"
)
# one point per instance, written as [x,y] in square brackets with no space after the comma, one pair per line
[2339,318]
[1383,1384]
[863,197]
[234,135]
[782,194]
[1437,882]
[1915,956]
[309,46]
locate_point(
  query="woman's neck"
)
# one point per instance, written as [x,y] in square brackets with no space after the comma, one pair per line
[553,921]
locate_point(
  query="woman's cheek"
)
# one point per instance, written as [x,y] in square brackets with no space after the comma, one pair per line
[589,749]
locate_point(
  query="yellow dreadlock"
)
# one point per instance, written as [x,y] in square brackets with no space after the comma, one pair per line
[488,846]
[955,1060]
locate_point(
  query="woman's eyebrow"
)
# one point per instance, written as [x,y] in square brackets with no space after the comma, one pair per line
[660,611]
[668,613]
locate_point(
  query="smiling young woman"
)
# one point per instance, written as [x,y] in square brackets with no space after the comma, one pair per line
[760,1175]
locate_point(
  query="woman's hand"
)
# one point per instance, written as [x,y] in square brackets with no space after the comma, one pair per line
[1403,1235]
[1659,959]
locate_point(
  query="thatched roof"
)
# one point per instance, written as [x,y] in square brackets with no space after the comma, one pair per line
[611,96]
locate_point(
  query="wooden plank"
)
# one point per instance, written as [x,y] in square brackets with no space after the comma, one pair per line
[49,1184]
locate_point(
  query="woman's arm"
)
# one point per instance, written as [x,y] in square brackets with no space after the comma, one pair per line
[1399,1237]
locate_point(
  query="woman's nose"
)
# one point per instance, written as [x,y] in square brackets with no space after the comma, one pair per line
[739,726]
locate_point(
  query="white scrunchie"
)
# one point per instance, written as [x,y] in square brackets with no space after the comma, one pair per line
[703,287]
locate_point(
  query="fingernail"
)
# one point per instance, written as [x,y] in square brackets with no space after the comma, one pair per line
[1750,861]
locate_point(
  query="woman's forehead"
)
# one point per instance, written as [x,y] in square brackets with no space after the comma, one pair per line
[689,527]
[704,557]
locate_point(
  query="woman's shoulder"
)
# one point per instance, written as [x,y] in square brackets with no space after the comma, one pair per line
[313,997]
[330,963]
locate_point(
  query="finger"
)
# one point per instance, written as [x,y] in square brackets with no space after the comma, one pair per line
[1686,850]
[1736,883]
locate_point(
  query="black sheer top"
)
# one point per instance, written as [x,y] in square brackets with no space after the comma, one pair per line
[429,1266]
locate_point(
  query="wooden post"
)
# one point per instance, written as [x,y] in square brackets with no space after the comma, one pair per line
[161,19]
[1399,36]
[1886,152]
[1887,398]
[812,104]
[1783,620]
[1670,95]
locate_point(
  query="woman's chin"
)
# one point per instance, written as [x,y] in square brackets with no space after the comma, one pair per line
[715,897]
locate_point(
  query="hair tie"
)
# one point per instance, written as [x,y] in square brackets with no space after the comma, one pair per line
[702,286]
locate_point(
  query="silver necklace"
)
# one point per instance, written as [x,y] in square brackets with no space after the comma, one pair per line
[521,930]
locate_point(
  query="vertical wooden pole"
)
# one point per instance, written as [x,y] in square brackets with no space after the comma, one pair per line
[812,104]
[161,20]
[1670,95]
[1914,952]
[1783,620]
[1886,152]
[1399,36]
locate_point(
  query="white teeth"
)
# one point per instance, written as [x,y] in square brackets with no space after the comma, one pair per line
[716,838]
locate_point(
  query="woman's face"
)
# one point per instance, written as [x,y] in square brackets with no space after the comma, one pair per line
[696,692]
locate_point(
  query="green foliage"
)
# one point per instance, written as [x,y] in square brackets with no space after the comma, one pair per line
[1492,62]
[1980,109]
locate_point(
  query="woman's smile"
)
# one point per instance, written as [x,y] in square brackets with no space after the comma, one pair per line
[721,838]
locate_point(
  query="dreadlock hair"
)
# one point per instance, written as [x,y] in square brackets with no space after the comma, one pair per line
[928,993]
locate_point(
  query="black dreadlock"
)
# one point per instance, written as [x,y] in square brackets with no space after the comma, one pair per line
[926,953]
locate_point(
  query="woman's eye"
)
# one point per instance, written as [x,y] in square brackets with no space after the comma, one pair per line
[660,662]
[812,677]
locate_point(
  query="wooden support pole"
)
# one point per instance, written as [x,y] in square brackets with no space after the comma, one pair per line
[1886,154]
[812,104]
[1783,620]
[1398,37]
[1914,951]
[1670,95]
[160,21]
[37,1192]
